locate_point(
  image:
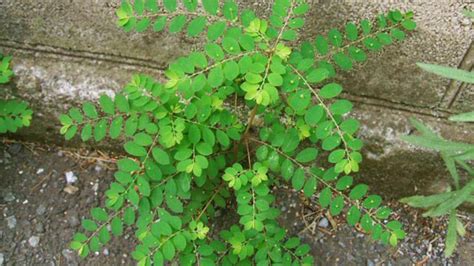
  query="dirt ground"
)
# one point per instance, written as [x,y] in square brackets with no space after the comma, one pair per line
[40,213]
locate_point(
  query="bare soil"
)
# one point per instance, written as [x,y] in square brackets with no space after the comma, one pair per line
[39,216]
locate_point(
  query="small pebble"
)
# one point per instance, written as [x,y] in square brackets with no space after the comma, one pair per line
[9,197]
[72,219]
[34,241]
[97,168]
[95,187]
[106,252]
[70,177]
[39,227]
[324,223]
[71,189]
[11,222]
[41,209]
[69,255]
[40,171]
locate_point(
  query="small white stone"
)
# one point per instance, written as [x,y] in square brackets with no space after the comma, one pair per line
[70,177]
[34,241]
[11,222]
[40,171]
[323,223]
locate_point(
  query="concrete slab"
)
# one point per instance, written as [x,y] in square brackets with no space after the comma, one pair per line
[89,26]
[69,51]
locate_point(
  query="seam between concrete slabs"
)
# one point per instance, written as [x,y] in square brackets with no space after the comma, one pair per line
[454,88]
[152,65]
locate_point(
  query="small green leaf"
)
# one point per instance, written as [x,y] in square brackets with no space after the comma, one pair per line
[310,186]
[89,225]
[211,6]
[179,242]
[215,77]
[231,45]
[116,127]
[143,186]
[330,90]
[409,24]
[344,183]
[307,155]
[160,156]
[321,44]
[168,250]
[287,168]
[214,51]
[134,149]
[275,79]
[317,75]
[143,139]
[325,197]
[372,201]
[116,226]
[89,110]
[100,130]
[331,142]
[314,115]
[204,148]
[231,70]
[159,24]
[215,30]
[170,5]
[358,191]
[353,215]
[341,107]
[107,104]
[336,156]
[99,214]
[298,179]
[351,31]
[177,23]
[196,26]
[65,120]
[337,205]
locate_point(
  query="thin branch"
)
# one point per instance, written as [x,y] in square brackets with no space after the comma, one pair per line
[317,177]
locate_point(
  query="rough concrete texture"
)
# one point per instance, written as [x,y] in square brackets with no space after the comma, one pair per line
[443,37]
[69,51]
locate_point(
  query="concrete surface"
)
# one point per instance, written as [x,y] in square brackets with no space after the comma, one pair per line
[68,51]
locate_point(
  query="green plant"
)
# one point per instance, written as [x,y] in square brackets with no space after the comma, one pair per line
[455,155]
[252,111]
[14,114]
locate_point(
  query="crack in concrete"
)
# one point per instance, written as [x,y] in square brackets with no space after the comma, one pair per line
[454,88]
[81,54]
[150,64]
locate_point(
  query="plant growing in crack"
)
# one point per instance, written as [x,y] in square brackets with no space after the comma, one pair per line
[251,111]
[456,155]
[14,114]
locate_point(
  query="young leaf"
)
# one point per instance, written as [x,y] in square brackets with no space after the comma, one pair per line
[307,155]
